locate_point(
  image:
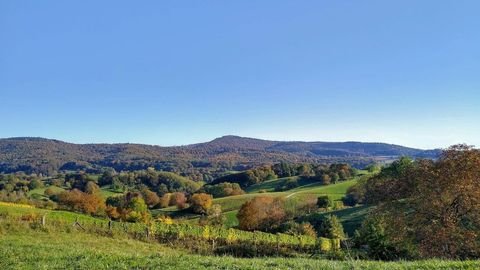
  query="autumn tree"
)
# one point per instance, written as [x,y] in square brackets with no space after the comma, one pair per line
[308,204]
[431,208]
[151,198]
[200,203]
[326,179]
[129,207]
[91,188]
[263,213]
[77,200]
[178,199]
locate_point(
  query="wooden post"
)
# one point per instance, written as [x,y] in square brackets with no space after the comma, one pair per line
[110,225]
[255,244]
[78,224]
[44,220]
[278,244]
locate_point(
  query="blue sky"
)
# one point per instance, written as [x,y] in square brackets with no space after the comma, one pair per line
[179,72]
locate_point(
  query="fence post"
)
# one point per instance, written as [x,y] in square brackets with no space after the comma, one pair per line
[255,244]
[44,220]
[147,232]
[278,244]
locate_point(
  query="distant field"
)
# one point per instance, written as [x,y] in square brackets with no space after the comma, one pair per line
[270,185]
[41,191]
[108,192]
[336,191]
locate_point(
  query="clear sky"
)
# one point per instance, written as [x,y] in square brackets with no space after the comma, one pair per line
[179,72]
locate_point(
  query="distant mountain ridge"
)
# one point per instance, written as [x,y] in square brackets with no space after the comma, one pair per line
[48,155]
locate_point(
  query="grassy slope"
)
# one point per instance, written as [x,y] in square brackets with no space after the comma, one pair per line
[231,205]
[65,215]
[42,250]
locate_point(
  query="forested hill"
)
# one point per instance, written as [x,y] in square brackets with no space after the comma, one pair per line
[229,152]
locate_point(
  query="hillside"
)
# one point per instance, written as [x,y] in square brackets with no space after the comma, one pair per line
[47,156]
[25,247]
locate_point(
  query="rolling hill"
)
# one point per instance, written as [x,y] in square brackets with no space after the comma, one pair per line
[39,155]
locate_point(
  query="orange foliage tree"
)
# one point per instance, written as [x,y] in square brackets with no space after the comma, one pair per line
[201,202]
[77,200]
[263,213]
[433,206]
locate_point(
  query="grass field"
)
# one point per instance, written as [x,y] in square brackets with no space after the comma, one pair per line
[31,249]
[270,185]
[106,191]
[41,191]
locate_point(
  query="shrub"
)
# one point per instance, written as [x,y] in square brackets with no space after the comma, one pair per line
[295,228]
[325,202]
[373,235]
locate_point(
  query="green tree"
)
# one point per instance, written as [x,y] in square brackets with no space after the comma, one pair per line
[34,184]
[325,202]
[331,227]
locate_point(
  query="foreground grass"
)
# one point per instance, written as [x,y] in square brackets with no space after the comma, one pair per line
[42,250]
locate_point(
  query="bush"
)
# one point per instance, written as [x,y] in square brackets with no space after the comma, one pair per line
[294,228]
[373,236]
[325,202]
